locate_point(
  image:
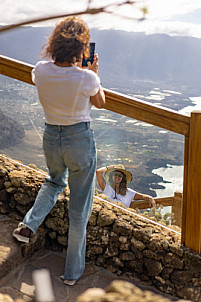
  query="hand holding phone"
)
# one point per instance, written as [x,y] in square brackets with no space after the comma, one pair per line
[91,58]
[95,66]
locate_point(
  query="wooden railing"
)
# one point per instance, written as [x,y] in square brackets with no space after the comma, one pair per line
[165,118]
[174,201]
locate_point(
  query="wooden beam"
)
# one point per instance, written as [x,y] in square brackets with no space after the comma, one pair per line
[193,202]
[185,185]
[116,102]
[147,112]
[142,204]
[16,69]
[177,208]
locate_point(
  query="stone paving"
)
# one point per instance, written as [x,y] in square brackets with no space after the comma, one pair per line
[19,283]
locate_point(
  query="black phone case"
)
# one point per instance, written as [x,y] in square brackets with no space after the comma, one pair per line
[91,58]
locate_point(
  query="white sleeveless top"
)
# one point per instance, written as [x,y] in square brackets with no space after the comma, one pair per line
[126,199]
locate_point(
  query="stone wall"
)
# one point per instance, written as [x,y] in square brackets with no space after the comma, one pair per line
[120,242]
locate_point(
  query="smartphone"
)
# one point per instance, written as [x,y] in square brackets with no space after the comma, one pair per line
[91,58]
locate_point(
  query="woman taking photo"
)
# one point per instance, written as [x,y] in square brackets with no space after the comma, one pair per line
[66,92]
[114,185]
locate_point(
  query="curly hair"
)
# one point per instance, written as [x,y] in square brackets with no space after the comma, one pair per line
[68,42]
[123,183]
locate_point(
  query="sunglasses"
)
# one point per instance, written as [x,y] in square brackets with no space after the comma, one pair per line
[117,174]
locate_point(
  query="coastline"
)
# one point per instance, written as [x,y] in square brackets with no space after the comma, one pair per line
[172,175]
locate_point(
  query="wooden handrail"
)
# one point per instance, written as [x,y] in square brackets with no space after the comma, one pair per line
[191,212]
[116,102]
[173,201]
[147,112]
[143,204]
[16,69]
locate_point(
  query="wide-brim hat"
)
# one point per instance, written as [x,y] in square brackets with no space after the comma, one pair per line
[119,168]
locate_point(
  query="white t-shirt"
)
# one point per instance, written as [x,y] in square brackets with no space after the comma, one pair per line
[64,92]
[126,199]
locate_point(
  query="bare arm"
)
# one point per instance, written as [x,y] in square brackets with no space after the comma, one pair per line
[100,178]
[148,198]
[97,100]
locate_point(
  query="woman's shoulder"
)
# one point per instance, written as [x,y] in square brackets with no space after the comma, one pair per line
[43,64]
[107,187]
[91,81]
[130,191]
[90,74]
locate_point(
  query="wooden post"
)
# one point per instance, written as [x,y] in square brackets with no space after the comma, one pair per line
[185,184]
[192,206]
[177,208]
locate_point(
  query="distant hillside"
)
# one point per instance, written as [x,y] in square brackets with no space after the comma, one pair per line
[125,58]
[24,44]
[11,132]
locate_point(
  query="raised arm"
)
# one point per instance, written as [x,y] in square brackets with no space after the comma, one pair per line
[148,198]
[97,100]
[100,178]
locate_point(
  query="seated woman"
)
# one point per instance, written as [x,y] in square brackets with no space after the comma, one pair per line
[114,185]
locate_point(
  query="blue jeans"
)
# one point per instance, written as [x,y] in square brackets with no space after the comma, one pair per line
[68,149]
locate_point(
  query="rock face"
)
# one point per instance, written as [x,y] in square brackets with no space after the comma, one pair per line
[119,241]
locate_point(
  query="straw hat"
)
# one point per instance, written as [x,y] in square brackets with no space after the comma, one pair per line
[119,168]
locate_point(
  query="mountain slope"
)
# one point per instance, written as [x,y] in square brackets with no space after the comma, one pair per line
[124,57]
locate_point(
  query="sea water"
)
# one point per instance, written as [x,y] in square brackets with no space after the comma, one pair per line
[173,175]
[196,101]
